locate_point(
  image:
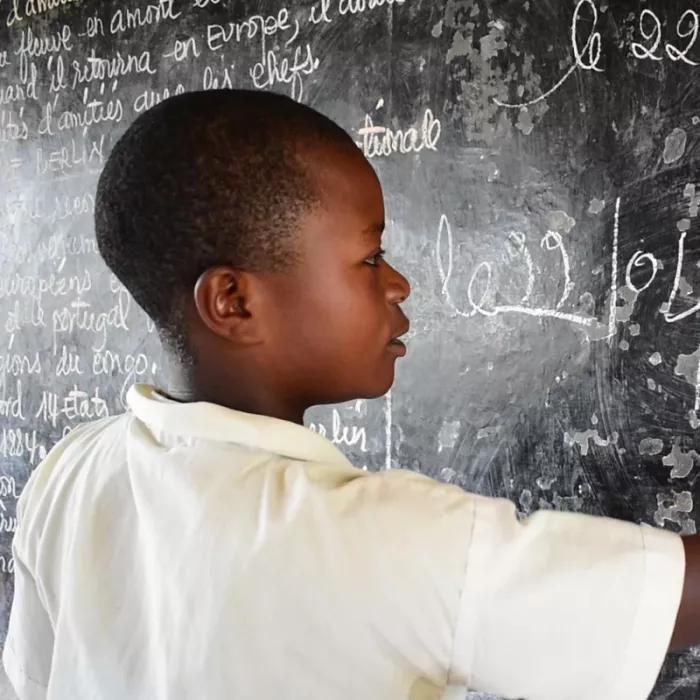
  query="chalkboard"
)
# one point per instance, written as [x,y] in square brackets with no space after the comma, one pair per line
[539,165]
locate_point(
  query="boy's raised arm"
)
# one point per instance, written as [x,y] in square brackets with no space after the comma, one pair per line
[687,628]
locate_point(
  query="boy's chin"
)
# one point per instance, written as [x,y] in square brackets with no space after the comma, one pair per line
[370,390]
[374,390]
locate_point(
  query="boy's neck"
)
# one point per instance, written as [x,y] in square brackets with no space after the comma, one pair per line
[240,393]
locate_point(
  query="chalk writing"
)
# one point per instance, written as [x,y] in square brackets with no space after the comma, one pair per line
[128,18]
[77,405]
[12,128]
[37,287]
[588,56]
[77,155]
[8,487]
[79,316]
[319,12]
[97,68]
[223,80]
[480,290]
[94,26]
[354,7]
[383,141]
[14,365]
[20,92]
[150,98]
[184,49]
[275,70]
[7,565]
[257,26]
[341,434]
[33,8]
[15,442]
[33,46]
[11,403]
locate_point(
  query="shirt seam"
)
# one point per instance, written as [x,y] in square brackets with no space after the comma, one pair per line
[466,570]
[640,610]
[18,666]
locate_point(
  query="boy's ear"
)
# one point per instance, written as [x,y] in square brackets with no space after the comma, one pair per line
[225,301]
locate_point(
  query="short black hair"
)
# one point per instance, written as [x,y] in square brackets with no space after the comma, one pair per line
[203,179]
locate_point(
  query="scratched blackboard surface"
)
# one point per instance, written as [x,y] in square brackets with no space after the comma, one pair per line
[539,165]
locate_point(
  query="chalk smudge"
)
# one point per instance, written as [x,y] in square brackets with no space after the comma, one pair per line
[675,509]
[448,434]
[682,462]
[596,206]
[583,438]
[651,446]
[674,146]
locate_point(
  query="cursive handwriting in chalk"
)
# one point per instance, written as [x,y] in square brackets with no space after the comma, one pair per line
[480,290]
[649,45]
[586,57]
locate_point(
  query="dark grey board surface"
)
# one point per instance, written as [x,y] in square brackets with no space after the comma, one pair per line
[539,165]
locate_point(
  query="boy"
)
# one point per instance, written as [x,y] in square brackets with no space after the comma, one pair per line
[205,544]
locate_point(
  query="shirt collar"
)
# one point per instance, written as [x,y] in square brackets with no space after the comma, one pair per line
[208,421]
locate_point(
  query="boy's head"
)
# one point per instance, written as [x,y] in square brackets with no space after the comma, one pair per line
[248,227]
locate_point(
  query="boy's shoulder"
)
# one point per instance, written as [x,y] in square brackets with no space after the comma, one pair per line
[65,458]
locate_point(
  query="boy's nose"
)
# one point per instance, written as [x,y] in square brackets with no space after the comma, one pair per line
[399,288]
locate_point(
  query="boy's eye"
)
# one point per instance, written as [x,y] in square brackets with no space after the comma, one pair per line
[375,258]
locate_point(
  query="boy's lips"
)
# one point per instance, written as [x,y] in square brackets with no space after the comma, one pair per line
[395,344]
[397,347]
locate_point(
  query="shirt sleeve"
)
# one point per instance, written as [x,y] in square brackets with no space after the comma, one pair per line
[564,606]
[28,650]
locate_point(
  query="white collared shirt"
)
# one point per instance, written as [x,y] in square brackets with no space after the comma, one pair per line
[186,551]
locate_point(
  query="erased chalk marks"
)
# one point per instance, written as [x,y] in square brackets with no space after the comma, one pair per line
[693,200]
[674,145]
[651,446]
[487,432]
[481,78]
[681,462]
[596,206]
[461,46]
[675,508]
[492,172]
[688,366]
[571,504]
[449,433]
[584,437]
[525,122]
[545,483]
[627,298]
[693,419]
[656,359]
[448,474]
[684,287]
[526,500]
[493,42]
[560,221]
